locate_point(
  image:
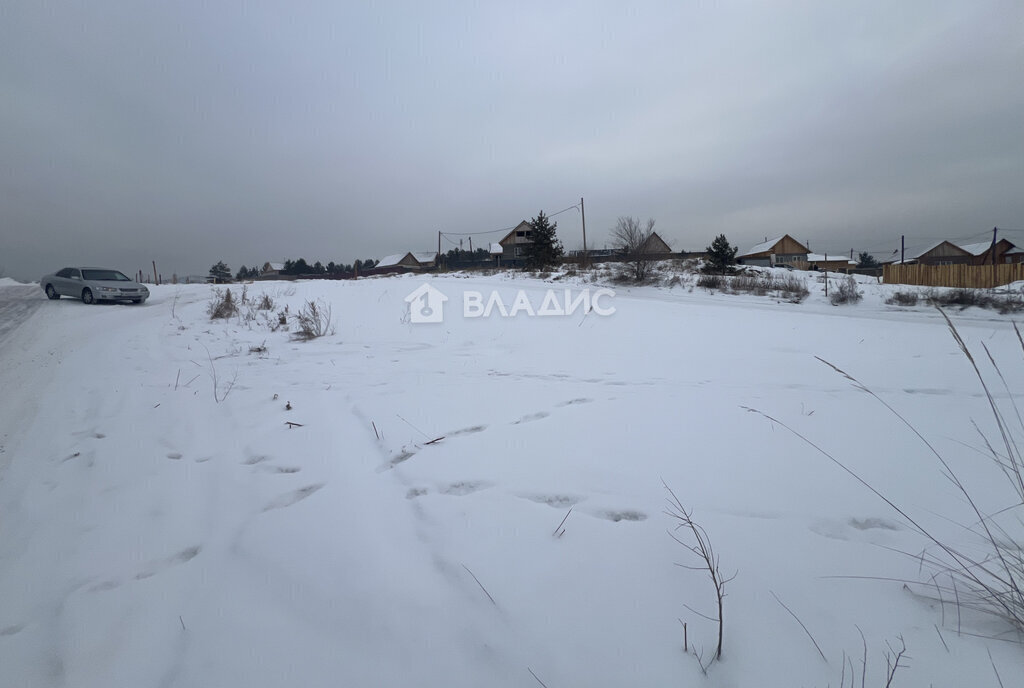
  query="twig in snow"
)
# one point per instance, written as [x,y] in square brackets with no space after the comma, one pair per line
[791,613]
[564,518]
[292,425]
[412,426]
[434,441]
[941,638]
[893,664]
[375,430]
[535,676]
[182,622]
[994,668]
[481,585]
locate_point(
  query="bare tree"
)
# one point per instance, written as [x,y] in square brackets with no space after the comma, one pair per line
[631,239]
[702,548]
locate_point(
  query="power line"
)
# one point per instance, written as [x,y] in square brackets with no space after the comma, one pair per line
[489,231]
[445,235]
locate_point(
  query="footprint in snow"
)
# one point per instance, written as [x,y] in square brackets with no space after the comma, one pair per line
[616,516]
[873,523]
[174,456]
[556,501]
[465,487]
[184,556]
[401,457]
[253,460]
[293,497]
[572,402]
[532,417]
[472,430]
[279,470]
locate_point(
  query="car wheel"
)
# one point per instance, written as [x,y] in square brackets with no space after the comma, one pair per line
[87,296]
[51,293]
[136,300]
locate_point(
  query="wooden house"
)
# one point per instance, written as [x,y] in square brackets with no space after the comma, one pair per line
[783,250]
[514,244]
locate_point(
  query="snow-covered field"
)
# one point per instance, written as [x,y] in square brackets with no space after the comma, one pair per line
[162,525]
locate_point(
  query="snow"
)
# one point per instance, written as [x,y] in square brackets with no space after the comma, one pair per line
[764,246]
[160,524]
[976,249]
[393,259]
[425,256]
[821,257]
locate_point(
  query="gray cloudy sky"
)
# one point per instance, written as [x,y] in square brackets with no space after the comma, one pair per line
[188,132]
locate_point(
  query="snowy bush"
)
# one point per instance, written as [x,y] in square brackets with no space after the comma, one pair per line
[222,305]
[846,292]
[313,321]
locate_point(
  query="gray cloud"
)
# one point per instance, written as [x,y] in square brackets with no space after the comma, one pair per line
[192,132]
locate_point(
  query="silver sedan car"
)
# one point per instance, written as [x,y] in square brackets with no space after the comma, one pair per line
[92,285]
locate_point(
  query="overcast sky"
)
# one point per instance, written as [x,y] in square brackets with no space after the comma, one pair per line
[190,132]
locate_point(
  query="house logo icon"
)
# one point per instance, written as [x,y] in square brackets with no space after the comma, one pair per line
[426,304]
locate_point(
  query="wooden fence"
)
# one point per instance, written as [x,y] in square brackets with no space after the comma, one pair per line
[956,276]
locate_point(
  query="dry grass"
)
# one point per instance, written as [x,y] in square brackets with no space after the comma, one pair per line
[222,306]
[313,321]
[987,573]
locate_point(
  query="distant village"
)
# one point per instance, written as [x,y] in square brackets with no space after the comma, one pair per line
[512,250]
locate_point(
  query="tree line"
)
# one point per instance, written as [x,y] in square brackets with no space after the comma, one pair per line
[221,272]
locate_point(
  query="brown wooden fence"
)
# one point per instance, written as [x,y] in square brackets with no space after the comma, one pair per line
[957,276]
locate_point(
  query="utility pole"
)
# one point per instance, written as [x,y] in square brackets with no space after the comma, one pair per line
[992,252]
[439,249]
[583,217]
[470,244]
[903,247]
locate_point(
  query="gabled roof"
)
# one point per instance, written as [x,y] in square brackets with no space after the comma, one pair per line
[982,247]
[275,266]
[515,229]
[767,246]
[764,246]
[421,257]
[976,249]
[655,244]
[496,248]
[393,259]
[936,245]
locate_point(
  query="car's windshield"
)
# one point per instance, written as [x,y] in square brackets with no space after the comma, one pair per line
[104,276]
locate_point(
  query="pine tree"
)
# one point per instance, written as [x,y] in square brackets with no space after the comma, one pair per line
[546,249]
[721,255]
[220,272]
[866,260]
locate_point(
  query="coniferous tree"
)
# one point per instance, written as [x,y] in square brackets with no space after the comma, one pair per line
[546,249]
[220,272]
[866,260]
[721,255]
